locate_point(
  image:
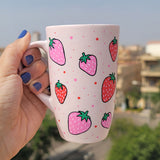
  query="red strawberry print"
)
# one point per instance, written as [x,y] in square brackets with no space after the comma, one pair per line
[108,87]
[56,51]
[88,63]
[113,48]
[61,92]
[106,120]
[79,122]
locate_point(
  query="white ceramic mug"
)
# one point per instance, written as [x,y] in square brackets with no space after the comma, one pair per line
[82,63]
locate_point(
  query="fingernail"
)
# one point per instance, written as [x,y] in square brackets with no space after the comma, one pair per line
[26,77]
[22,34]
[29,59]
[37,86]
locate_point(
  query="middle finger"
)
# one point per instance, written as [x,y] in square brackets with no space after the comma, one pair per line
[28,74]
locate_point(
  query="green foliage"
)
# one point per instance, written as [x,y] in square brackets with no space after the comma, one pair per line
[134,142]
[134,94]
[121,127]
[41,142]
[155,97]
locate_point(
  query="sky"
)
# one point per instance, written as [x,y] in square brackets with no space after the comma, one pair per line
[138,19]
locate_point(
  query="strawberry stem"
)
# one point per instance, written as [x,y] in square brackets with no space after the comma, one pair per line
[114,41]
[51,42]
[106,115]
[112,76]
[83,115]
[59,85]
[84,58]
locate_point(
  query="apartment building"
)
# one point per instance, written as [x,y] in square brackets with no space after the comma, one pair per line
[151,68]
[129,67]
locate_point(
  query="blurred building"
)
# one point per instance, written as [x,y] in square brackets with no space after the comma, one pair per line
[151,68]
[36,36]
[153,48]
[129,69]
[1,50]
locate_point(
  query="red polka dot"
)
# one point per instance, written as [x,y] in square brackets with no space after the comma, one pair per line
[95,126]
[64,72]
[97,39]
[79,97]
[95,83]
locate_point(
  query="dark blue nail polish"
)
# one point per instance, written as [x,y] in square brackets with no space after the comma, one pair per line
[23,33]
[26,77]
[29,59]
[37,86]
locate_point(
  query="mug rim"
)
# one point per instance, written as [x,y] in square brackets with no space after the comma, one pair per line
[84,25]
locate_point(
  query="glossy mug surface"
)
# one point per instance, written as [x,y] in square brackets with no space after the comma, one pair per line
[82,63]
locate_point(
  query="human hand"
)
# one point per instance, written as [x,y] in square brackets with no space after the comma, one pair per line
[21,112]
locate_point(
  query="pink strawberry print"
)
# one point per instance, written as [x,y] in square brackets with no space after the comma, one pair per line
[88,63]
[56,51]
[113,48]
[108,87]
[106,120]
[61,92]
[79,122]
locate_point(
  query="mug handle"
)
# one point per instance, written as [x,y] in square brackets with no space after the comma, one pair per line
[46,99]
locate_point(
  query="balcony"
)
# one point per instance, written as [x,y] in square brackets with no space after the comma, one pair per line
[150,89]
[150,73]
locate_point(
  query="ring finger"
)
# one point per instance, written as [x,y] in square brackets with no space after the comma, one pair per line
[32,72]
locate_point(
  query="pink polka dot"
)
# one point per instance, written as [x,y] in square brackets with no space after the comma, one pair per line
[109,65]
[71,37]
[75,79]
[97,137]
[93,105]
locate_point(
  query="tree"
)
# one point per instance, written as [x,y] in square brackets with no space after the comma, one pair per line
[138,143]
[134,95]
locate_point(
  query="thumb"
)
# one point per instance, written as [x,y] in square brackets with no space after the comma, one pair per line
[12,55]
